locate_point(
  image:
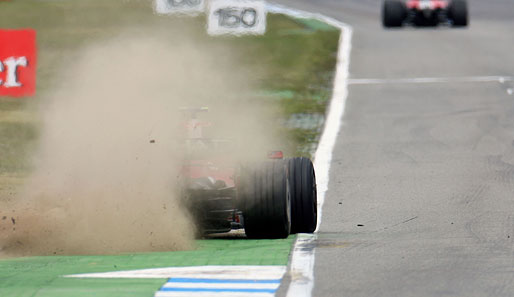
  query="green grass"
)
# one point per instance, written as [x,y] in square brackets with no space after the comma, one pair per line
[296,57]
[42,276]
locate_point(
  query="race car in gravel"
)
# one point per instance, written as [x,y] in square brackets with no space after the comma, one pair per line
[397,13]
[269,199]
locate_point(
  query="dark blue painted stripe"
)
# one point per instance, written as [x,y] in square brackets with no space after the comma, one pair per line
[164,289]
[223,281]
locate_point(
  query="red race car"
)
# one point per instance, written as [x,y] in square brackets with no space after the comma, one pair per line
[396,13]
[269,199]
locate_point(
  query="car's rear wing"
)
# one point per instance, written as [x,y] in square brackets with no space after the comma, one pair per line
[192,124]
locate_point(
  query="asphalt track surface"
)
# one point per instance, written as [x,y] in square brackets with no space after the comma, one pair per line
[421,194]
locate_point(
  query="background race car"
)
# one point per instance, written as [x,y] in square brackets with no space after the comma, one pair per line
[396,13]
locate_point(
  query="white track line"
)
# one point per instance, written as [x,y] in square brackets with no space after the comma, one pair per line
[302,260]
[220,286]
[254,272]
[429,80]
[200,281]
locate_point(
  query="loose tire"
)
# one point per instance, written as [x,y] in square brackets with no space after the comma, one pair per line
[304,203]
[267,202]
[394,13]
[458,13]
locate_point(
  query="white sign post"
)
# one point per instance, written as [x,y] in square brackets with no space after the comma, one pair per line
[236,17]
[192,7]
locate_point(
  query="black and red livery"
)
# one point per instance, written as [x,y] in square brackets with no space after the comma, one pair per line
[397,13]
[271,198]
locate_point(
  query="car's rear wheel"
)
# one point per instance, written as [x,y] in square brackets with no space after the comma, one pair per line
[266,201]
[304,203]
[458,13]
[393,13]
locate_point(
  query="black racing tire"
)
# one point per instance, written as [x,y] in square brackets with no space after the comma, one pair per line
[458,13]
[394,13]
[267,201]
[304,202]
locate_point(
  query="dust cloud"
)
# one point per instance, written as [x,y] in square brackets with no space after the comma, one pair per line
[105,178]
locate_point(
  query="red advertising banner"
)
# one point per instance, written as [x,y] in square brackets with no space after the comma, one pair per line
[18,62]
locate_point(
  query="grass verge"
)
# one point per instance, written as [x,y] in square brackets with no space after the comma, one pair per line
[296,59]
[42,276]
